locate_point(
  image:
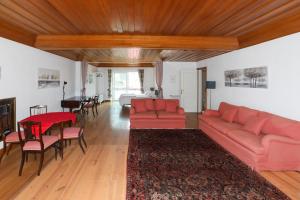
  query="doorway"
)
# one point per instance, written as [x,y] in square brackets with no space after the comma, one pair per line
[188,96]
[125,82]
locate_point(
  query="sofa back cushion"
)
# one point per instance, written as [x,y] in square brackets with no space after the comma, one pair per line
[277,125]
[172,105]
[229,115]
[225,106]
[244,114]
[255,124]
[139,105]
[149,104]
[160,104]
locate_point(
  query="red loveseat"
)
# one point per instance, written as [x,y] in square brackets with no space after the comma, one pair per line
[261,140]
[156,113]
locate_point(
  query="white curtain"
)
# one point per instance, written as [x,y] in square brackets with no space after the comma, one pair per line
[84,71]
[159,77]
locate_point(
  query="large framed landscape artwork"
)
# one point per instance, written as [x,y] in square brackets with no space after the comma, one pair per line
[255,77]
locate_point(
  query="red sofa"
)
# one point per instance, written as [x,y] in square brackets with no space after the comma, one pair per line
[156,113]
[261,140]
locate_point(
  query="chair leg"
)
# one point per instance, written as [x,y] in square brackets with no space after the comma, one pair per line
[3,151]
[9,148]
[93,110]
[96,109]
[41,163]
[84,141]
[80,144]
[26,156]
[69,142]
[22,163]
[65,143]
[61,144]
[55,151]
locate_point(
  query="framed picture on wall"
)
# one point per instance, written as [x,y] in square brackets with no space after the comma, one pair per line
[255,77]
[48,78]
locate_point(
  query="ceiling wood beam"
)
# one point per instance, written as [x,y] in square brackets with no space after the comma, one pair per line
[123,65]
[16,34]
[59,42]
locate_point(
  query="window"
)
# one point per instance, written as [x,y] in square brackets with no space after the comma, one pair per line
[125,83]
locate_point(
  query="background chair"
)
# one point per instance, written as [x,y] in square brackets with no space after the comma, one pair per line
[38,109]
[97,103]
[35,142]
[90,104]
[74,133]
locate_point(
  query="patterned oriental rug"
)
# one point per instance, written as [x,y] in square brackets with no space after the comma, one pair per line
[186,164]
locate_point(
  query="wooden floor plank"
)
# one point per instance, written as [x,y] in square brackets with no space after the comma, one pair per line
[101,172]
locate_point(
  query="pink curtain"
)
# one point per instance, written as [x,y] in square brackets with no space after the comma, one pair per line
[159,77]
[84,70]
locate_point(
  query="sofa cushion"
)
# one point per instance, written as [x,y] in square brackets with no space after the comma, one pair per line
[211,113]
[229,115]
[282,126]
[220,125]
[160,104]
[248,140]
[144,115]
[171,105]
[255,124]
[244,114]
[149,104]
[169,115]
[140,106]
[226,106]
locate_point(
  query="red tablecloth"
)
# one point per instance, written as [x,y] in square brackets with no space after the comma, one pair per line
[49,119]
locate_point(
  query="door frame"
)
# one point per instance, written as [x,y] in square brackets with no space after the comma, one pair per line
[203,88]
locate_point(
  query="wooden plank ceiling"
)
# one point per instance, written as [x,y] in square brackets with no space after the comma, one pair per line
[205,27]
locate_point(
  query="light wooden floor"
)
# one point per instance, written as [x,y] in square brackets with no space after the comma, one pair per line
[101,172]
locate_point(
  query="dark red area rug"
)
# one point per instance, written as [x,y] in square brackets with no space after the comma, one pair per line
[186,164]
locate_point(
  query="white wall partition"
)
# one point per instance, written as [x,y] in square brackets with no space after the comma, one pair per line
[281,56]
[19,74]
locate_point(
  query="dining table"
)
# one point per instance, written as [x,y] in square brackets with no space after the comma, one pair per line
[49,119]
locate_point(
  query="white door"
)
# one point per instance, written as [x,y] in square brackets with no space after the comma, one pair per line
[188,98]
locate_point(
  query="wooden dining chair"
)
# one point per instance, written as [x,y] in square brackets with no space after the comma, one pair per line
[90,104]
[9,137]
[38,109]
[35,142]
[68,132]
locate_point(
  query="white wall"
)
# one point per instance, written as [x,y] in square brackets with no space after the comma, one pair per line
[19,64]
[102,82]
[172,80]
[282,57]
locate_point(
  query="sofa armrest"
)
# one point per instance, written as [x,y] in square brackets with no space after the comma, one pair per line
[132,111]
[280,152]
[211,113]
[180,110]
[268,139]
